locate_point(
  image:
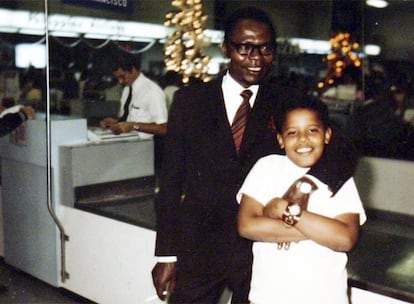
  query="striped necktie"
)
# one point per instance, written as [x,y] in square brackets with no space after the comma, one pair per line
[240,120]
[126,106]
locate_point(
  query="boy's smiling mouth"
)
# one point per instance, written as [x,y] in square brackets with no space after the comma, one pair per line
[304,150]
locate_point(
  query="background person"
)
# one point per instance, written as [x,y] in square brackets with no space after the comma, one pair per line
[143,105]
[376,127]
[171,82]
[13,117]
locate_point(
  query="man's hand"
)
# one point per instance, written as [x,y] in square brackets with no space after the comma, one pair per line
[29,111]
[275,208]
[163,277]
[299,191]
[122,127]
[108,122]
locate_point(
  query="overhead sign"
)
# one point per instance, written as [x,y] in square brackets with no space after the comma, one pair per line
[117,6]
[19,21]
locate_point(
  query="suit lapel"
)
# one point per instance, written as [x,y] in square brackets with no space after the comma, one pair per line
[217,110]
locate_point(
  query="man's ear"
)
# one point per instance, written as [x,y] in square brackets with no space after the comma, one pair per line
[224,50]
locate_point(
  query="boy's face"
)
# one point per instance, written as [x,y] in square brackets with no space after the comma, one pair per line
[303,137]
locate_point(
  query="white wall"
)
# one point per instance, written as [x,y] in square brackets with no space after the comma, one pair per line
[1,227]
[386,184]
[360,296]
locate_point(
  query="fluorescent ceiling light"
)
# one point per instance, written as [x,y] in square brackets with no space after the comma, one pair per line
[213,66]
[7,29]
[96,36]
[214,36]
[144,30]
[377,3]
[29,31]
[311,46]
[120,38]
[372,49]
[140,39]
[29,54]
[64,34]
[27,21]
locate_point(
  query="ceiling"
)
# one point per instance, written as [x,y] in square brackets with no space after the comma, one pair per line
[392,27]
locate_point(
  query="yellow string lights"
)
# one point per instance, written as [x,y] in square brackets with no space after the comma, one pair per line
[184,48]
[343,54]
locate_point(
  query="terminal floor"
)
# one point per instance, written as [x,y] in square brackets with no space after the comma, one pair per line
[25,289]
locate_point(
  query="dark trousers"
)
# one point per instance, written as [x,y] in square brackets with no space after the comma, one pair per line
[207,289]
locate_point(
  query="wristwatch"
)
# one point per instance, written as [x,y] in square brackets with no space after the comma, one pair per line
[292,214]
[136,126]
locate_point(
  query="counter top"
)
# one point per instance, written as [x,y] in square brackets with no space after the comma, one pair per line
[383,259]
[381,262]
[138,211]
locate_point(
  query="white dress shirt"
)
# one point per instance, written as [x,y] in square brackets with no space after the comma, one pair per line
[231,93]
[147,104]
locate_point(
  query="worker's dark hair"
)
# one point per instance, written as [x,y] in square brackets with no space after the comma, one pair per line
[127,62]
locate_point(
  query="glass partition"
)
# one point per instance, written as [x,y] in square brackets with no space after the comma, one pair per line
[323,46]
[79,63]
[357,58]
[23,54]
[24,163]
[376,111]
[384,125]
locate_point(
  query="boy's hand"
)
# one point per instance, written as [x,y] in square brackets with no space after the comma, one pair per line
[275,208]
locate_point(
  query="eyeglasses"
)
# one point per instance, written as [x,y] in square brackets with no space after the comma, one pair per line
[245,49]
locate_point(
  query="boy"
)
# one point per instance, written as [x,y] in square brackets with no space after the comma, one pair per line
[313,268]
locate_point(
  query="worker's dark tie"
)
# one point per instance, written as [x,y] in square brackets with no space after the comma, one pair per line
[126,106]
[240,120]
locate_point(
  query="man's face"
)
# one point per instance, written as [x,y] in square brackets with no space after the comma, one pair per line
[249,69]
[126,78]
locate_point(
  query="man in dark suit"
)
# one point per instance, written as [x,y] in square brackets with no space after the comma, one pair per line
[199,250]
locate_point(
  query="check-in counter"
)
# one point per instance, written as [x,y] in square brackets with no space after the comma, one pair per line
[104,259]
[103,195]
[109,260]
[31,240]
[380,266]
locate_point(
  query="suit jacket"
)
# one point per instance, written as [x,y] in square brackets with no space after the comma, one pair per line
[196,207]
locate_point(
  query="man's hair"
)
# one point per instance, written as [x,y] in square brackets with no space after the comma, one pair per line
[251,13]
[127,62]
[298,100]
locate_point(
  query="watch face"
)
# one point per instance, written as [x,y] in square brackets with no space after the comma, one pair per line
[305,187]
[294,209]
